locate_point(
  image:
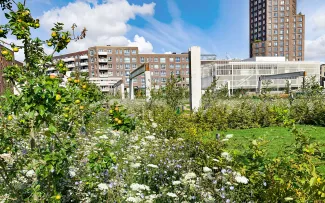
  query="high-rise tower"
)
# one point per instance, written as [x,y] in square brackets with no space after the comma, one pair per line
[276,29]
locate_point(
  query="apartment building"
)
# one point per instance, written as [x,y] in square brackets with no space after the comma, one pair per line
[77,61]
[4,63]
[106,64]
[276,29]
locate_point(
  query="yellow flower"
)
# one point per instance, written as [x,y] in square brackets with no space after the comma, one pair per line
[319,180]
[58,197]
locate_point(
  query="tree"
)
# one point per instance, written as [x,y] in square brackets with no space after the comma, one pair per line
[39,126]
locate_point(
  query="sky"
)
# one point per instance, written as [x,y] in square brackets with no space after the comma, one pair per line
[219,27]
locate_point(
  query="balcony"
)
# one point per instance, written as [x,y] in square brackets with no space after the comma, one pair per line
[71,65]
[84,70]
[84,57]
[105,89]
[102,53]
[84,64]
[102,60]
[68,59]
[103,67]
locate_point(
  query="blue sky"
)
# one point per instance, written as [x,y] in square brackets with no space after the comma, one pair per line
[218,26]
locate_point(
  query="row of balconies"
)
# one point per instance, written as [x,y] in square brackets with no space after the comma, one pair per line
[70,59]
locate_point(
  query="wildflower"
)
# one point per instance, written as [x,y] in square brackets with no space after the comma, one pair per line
[189,176]
[30,173]
[226,155]
[154,125]
[135,165]
[104,137]
[229,136]
[171,194]
[58,197]
[207,170]
[264,183]
[139,187]
[152,166]
[241,179]
[133,199]
[176,182]
[224,140]
[102,186]
[231,187]
[72,174]
[287,199]
[150,137]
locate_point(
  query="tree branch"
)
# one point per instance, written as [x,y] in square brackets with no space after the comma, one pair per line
[15,2]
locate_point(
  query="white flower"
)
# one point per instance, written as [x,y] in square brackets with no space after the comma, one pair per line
[207,170]
[133,199]
[216,160]
[103,186]
[154,125]
[224,140]
[104,137]
[229,136]
[189,176]
[288,199]
[226,155]
[171,194]
[176,182]
[139,187]
[72,174]
[135,165]
[180,139]
[152,166]
[150,137]
[241,179]
[30,173]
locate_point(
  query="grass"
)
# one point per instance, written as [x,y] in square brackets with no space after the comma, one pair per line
[278,138]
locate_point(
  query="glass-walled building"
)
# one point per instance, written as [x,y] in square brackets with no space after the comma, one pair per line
[244,74]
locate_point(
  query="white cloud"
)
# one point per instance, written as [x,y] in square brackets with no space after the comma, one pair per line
[315,49]
[144,46]
[107,23]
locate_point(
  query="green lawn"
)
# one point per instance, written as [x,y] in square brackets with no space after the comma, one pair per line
[278,137]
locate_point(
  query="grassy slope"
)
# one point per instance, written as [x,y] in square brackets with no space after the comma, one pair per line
[278,137]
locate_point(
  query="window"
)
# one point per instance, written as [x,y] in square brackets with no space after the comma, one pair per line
[134,60]
[134,52]
[171,59]
[126,60]
[126,52]
[127,66]
[134,66]
[178,66]
[109,51]
[178,59]
[127,73]
[162,60]
[142,59]
[163,66]
[156,59]
[156,66]
[171,66]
